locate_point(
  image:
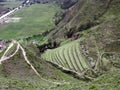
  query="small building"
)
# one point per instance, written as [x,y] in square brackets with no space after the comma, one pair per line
[2,45]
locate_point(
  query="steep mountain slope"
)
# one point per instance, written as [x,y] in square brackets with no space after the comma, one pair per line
[86,14]
[97,24]
[95,21]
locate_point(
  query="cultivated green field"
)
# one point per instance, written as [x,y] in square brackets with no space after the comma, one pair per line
[35,19]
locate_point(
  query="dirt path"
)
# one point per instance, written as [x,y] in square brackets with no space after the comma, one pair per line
[26,59]
[4,17]
[4,57]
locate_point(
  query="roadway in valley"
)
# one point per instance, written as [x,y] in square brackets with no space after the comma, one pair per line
[4,17]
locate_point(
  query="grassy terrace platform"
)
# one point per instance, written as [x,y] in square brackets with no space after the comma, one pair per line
[35,19]
[68,56]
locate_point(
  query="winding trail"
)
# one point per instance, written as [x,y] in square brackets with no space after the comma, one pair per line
[4,57]
[26,59]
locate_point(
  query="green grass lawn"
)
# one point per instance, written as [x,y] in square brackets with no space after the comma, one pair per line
[36,18]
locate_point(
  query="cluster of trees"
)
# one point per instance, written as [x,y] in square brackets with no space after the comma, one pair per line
[49,45]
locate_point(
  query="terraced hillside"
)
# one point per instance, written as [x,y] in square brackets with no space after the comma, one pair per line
[98,23]
[70,57]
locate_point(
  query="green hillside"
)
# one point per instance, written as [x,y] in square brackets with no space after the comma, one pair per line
[17,74]
[79,52]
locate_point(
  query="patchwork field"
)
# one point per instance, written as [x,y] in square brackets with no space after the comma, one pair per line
[34,20]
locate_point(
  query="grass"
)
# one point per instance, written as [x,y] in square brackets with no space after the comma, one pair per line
[108,81]
[113,11]
[17,75]
[73,61]
[36,19]
[11,83]
[78,61]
